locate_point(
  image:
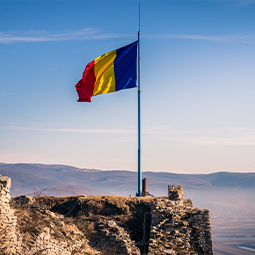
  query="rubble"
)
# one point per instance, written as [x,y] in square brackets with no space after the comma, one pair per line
[113,238]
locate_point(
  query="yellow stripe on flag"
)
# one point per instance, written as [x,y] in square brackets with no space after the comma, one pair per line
[104,73]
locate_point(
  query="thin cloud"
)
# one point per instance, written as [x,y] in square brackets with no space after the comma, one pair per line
[219,39]
[44,36]
[164,130]
[92,34]
[122,140]
[217,141]
[240,130]
[5,94]
[245,2]
[161,127]
[92,131]
[179,136]
[224,137]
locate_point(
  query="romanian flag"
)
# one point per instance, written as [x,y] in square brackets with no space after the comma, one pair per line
[113,71]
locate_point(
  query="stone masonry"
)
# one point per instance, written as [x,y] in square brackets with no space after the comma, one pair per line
[8,237]
[175,193]
[43,242]
[179,228]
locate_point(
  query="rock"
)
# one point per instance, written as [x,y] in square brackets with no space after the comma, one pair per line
[23,200]
[113,238]
[6,182]
[169,252]
[175,193]
[178,227]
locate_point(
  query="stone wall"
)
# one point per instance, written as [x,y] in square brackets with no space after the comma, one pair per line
[179,228]
[175,193]
[42,240]
[8,236]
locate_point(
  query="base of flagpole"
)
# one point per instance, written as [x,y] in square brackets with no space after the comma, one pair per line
[139,194]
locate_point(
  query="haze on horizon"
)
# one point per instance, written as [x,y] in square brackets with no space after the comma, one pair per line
[197,80]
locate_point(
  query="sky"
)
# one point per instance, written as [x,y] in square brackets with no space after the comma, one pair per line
[197,82]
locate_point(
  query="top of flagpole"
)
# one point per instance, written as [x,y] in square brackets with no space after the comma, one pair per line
[139,16]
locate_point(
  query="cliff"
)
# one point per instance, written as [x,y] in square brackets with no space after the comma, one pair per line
[102,224]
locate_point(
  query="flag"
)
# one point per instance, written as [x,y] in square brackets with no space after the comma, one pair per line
[113,71]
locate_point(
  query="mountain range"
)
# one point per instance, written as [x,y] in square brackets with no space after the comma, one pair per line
[62,180]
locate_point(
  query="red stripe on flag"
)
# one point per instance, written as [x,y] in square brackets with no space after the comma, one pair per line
[85,86]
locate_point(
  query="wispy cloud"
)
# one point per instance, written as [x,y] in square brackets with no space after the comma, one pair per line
[218,141]
[224,137]
[91,131]
[219,39]
[164,130]
[92,34]
[221,137]
[5,94]
[240,130]
[235,2]
[245,2]
[45,36]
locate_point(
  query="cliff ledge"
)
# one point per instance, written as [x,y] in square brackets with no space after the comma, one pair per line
[102,224]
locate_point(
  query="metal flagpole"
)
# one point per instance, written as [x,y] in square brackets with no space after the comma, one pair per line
[139,193]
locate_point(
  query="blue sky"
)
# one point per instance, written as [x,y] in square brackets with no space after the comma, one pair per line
[197,79]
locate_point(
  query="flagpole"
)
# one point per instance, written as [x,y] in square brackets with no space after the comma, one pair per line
[139,193]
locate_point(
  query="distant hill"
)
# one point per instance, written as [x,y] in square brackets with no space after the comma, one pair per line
[61,180]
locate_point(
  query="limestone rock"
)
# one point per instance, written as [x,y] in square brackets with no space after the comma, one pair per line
[23,200]
[6,182]
[113,239]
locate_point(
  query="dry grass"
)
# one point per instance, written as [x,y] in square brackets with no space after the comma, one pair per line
[83,211]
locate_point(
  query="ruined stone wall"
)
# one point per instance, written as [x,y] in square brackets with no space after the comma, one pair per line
[8,237]
[179,228]
[42,241]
